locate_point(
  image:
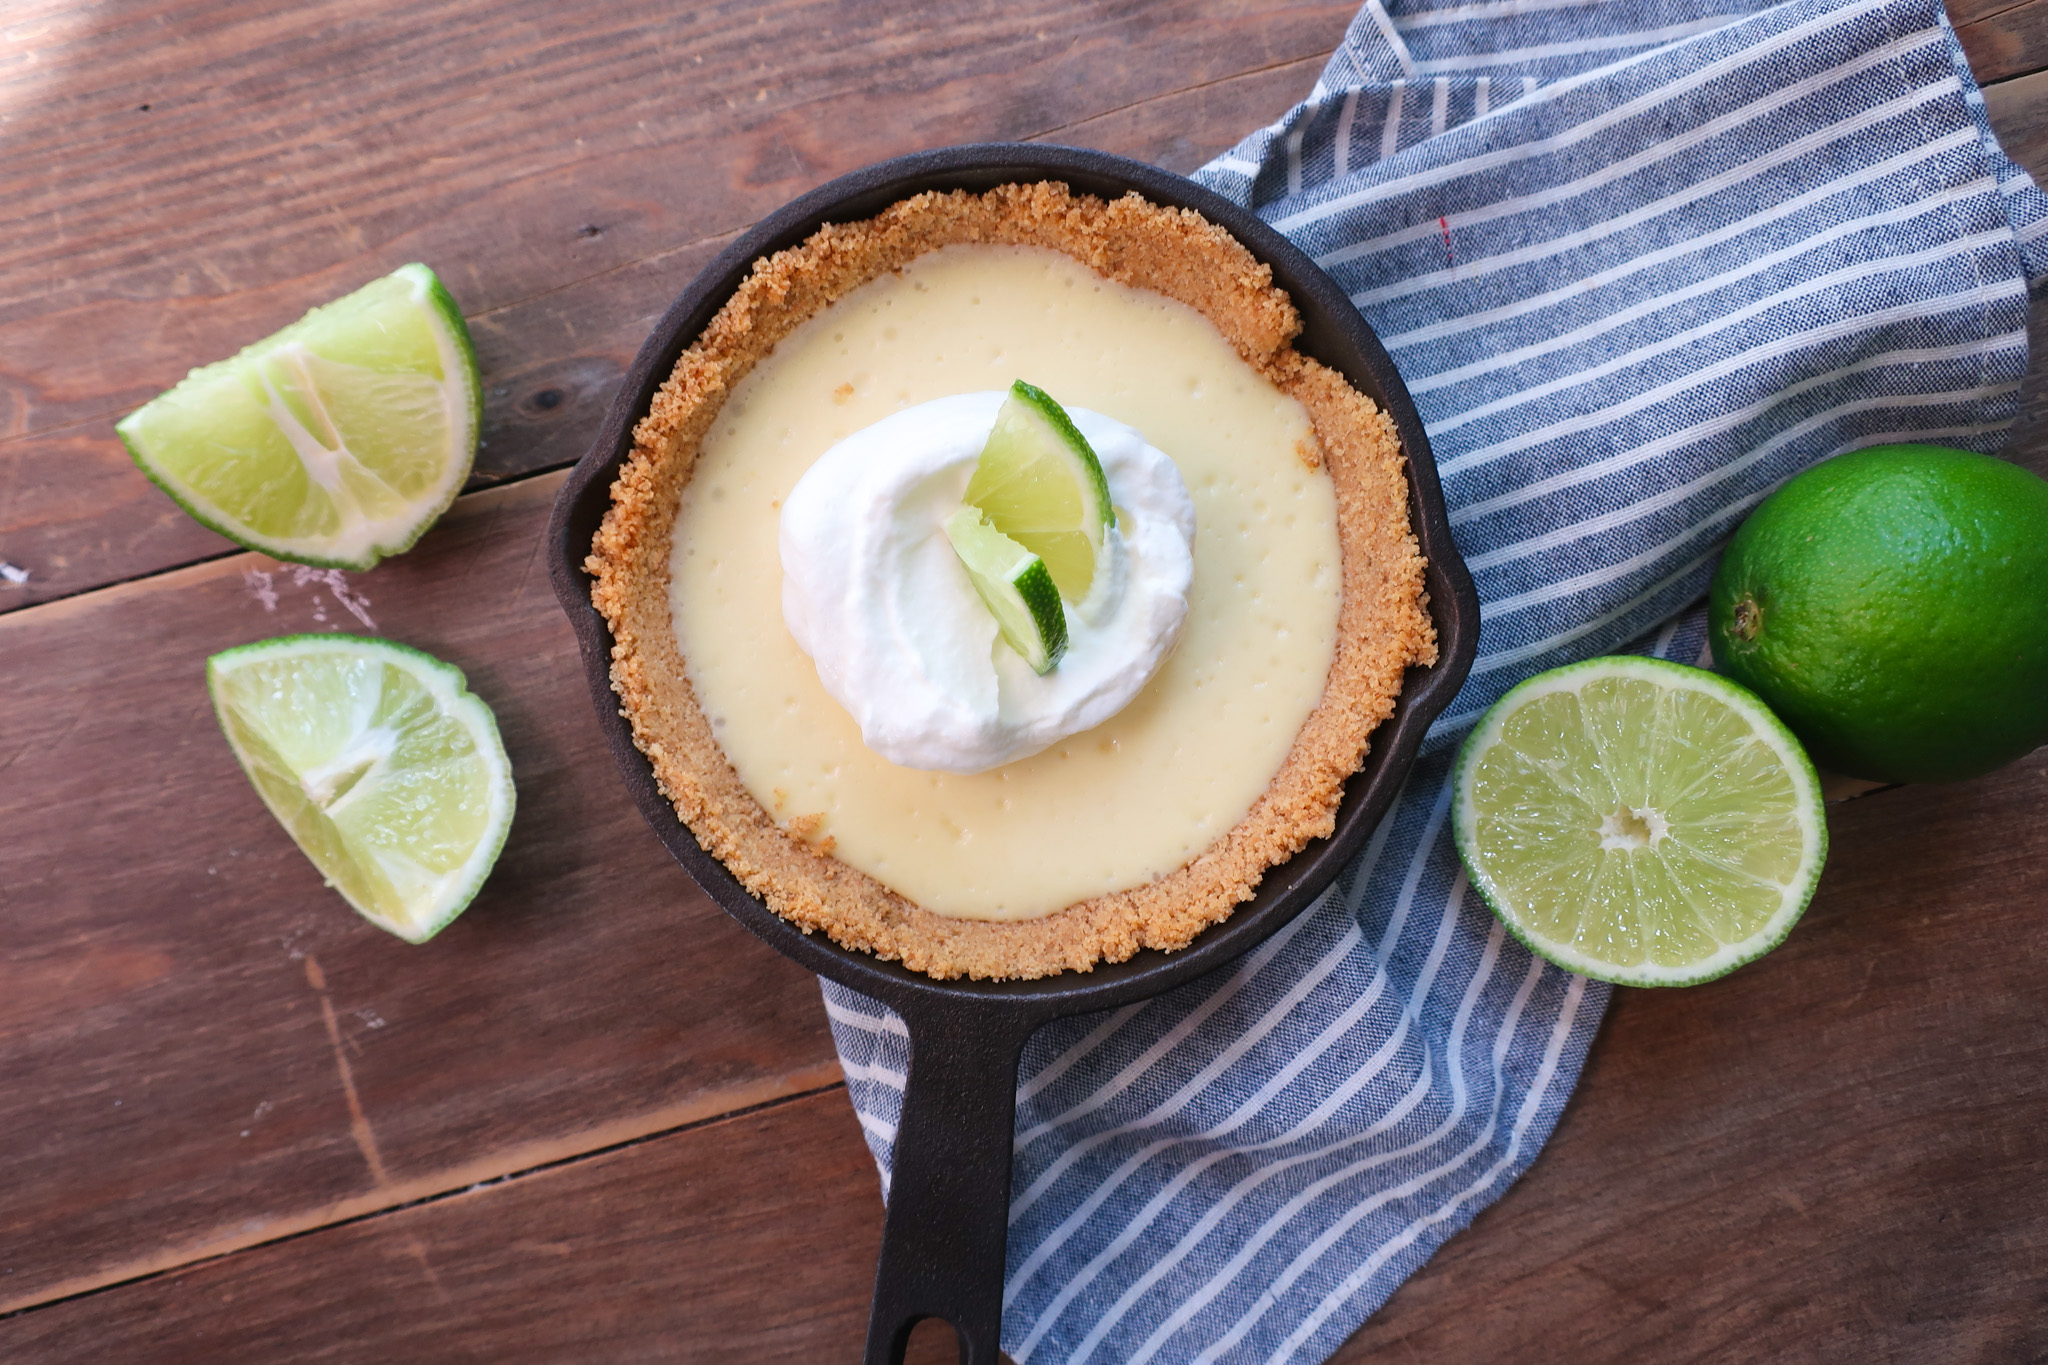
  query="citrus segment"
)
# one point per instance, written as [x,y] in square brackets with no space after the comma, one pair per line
[1041,484]
[1639,821]
[383,767]
[336,441]
[1015,586]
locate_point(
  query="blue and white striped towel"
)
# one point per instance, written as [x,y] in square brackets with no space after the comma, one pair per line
[1639,261]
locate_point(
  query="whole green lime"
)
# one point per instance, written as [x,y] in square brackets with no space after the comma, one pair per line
[1891,605]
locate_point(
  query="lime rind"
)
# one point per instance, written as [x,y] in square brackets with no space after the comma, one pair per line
[1046,406]
[1887,604]
[456,328]
[275,371]
[1805,810]
[371,872]
[1014,584]
[1040,483]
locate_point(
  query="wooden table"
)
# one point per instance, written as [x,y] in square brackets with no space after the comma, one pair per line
[595,1121]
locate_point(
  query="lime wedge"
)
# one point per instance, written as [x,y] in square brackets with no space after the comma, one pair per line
[1041,485]
[1639,821]
[1015,585]
[383,767]
[336,441]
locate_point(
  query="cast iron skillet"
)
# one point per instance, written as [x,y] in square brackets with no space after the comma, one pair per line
[943,1241]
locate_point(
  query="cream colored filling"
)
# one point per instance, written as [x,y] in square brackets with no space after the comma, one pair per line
[1104,810]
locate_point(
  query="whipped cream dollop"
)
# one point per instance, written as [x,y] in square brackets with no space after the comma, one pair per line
[872,591]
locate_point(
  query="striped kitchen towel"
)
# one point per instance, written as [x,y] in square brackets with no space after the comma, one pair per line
[1639,261]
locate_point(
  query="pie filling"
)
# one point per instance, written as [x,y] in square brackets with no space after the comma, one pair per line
[1112,807]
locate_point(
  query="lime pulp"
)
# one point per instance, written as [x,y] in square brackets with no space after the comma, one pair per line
[384,768]
[1639,821]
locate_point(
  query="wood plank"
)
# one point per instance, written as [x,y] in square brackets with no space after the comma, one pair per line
[2019,113]
[1837,1153]
[201,1048]
[1833,1154]
[1184,130]
[2002,39]
[753,1239]
[525,161]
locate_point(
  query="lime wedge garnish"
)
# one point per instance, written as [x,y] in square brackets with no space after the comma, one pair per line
[1639,821]
[378,761]
[336,441]
[1041,485]
[1015,585]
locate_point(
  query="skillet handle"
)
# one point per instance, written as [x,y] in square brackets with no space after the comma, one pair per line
[949,1192]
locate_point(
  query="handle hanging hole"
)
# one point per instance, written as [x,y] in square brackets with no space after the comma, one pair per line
[933,1341]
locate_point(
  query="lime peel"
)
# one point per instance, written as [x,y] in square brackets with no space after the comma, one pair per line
[384,768]
[1014,584]
[1040,483]
[1639,821]
[1888,604]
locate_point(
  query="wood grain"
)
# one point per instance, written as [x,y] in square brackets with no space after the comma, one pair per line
[2002,39]
[201,1048]
[2019,111]
[1833,1155]
[285,156]
[752,1239]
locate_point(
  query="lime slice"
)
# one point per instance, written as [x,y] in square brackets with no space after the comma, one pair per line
[336,441]
[1041,485]
[1639,821]
[378,761]
[1015,585]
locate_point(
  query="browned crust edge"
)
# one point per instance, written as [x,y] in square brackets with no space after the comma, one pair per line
[1383,626]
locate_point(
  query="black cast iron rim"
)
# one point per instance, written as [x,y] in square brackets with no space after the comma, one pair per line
[1333,333]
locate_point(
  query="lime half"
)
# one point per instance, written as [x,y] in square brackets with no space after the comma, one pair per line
[1639,821]
[378,761]
[336,441]
[1014,584]
[1041,485]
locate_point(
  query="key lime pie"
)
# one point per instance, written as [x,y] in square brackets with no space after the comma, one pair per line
[994,588]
